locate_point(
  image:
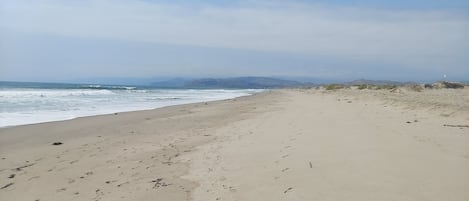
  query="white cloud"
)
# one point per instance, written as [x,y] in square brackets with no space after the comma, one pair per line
[418,38]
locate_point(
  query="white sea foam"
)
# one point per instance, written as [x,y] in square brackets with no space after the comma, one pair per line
[27,106]
[30,93]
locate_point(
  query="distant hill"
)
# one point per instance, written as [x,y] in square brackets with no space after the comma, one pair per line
[229,83]
[374,82]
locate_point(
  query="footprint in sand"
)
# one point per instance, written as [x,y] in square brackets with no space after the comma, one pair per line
[288,190]
[121,184]
[35,177]
[7,185]
[113,181]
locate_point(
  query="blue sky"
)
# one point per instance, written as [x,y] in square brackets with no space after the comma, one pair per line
[55,40]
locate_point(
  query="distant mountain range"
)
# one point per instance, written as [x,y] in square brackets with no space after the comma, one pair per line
[375,82]
[248,82]
[228,83]
[254,83]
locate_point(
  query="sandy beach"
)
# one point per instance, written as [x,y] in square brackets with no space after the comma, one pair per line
[298,144]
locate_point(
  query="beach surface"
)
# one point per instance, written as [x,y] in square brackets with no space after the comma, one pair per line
[298,144]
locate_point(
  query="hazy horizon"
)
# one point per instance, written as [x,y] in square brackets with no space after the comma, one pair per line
[94,40]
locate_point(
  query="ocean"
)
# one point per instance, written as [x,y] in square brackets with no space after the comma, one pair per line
[27,103]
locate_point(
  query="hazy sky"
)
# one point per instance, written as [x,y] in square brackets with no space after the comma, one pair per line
[55,40]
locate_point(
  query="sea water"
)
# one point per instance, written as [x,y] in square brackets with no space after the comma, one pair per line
[28,103]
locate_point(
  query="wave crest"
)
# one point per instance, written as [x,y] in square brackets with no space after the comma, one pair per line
[52,93]
[97,86]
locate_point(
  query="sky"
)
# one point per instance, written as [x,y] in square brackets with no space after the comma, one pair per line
[403,40]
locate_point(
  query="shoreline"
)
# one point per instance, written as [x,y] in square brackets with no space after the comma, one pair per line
[113,113]
[105,153]
[292,144]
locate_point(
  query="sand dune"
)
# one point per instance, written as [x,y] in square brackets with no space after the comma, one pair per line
[279,145]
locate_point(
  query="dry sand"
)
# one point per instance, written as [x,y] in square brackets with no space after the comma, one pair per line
[280,145]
